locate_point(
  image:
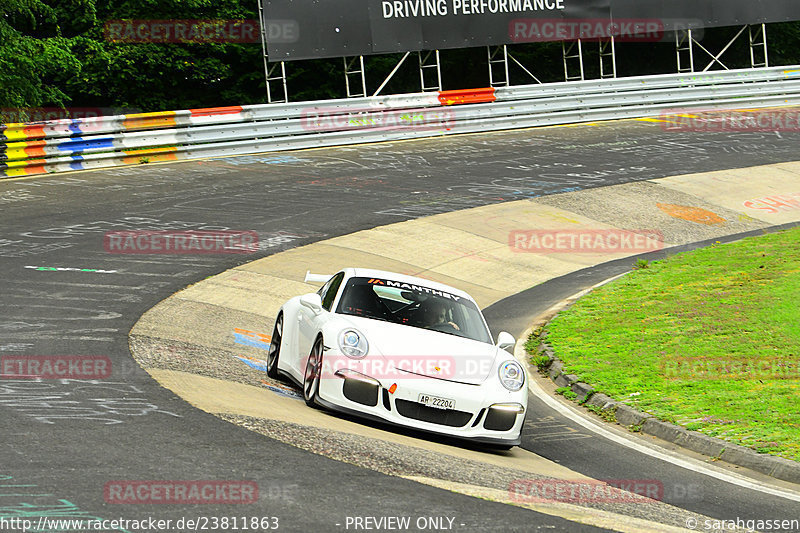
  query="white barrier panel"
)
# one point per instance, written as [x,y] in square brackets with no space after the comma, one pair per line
[95,142]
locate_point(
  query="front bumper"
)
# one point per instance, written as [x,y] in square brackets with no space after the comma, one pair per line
[486,413]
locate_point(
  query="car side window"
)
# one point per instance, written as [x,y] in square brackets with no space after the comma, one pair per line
[329,290]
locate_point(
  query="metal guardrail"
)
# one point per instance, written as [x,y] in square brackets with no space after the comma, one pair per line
[75,144]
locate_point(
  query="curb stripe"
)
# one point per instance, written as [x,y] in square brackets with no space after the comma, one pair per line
[79,144]
[229,110]
[467,96]
[161,119]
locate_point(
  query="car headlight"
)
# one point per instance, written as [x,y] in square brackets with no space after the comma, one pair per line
[353,343]
[511,375]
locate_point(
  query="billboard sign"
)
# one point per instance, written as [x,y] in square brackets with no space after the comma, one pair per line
[677,14]
[337,28]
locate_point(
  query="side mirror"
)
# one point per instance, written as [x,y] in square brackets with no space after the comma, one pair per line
[312,301]
[505,341]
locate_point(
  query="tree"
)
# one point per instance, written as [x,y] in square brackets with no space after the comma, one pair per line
[34,56]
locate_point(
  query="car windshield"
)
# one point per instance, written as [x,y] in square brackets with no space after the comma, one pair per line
[413,305]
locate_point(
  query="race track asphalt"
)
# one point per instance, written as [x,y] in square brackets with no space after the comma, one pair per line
[62,442]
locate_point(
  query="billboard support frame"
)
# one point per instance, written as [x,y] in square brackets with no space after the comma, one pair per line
[573,54]
[685,42]
[270,70]
[280,78]
[358,72]
[717,58]
[755,44]
[567,54]
[498,55]
[427,63]
[492,54]
[520,65]
[603,48]
[392,73]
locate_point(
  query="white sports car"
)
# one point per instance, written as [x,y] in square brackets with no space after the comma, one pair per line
[402,350]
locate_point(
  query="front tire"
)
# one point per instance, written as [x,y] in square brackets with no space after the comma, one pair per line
[312,373]
[275,348]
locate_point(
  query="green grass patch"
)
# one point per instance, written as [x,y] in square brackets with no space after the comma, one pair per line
[538,358]
[606,415]
[566,392]
[708,339]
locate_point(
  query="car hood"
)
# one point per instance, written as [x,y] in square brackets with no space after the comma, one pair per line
[428,353]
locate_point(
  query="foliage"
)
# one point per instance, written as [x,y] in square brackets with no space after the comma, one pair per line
[34,55]
[55,53]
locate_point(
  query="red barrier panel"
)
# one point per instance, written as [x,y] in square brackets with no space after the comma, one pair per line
[230,110]
[467,96]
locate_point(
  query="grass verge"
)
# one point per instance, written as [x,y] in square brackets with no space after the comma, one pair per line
[708,339]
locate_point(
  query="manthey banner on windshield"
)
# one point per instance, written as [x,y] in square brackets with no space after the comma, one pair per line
[308,29]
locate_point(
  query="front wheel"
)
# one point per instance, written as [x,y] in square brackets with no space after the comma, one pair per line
[275,348]
[312,374]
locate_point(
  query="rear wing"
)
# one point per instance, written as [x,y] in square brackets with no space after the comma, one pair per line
[316,278]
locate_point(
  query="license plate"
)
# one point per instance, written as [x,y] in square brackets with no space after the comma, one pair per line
[436,402]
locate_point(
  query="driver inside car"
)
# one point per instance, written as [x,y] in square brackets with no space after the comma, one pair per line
[435,313]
